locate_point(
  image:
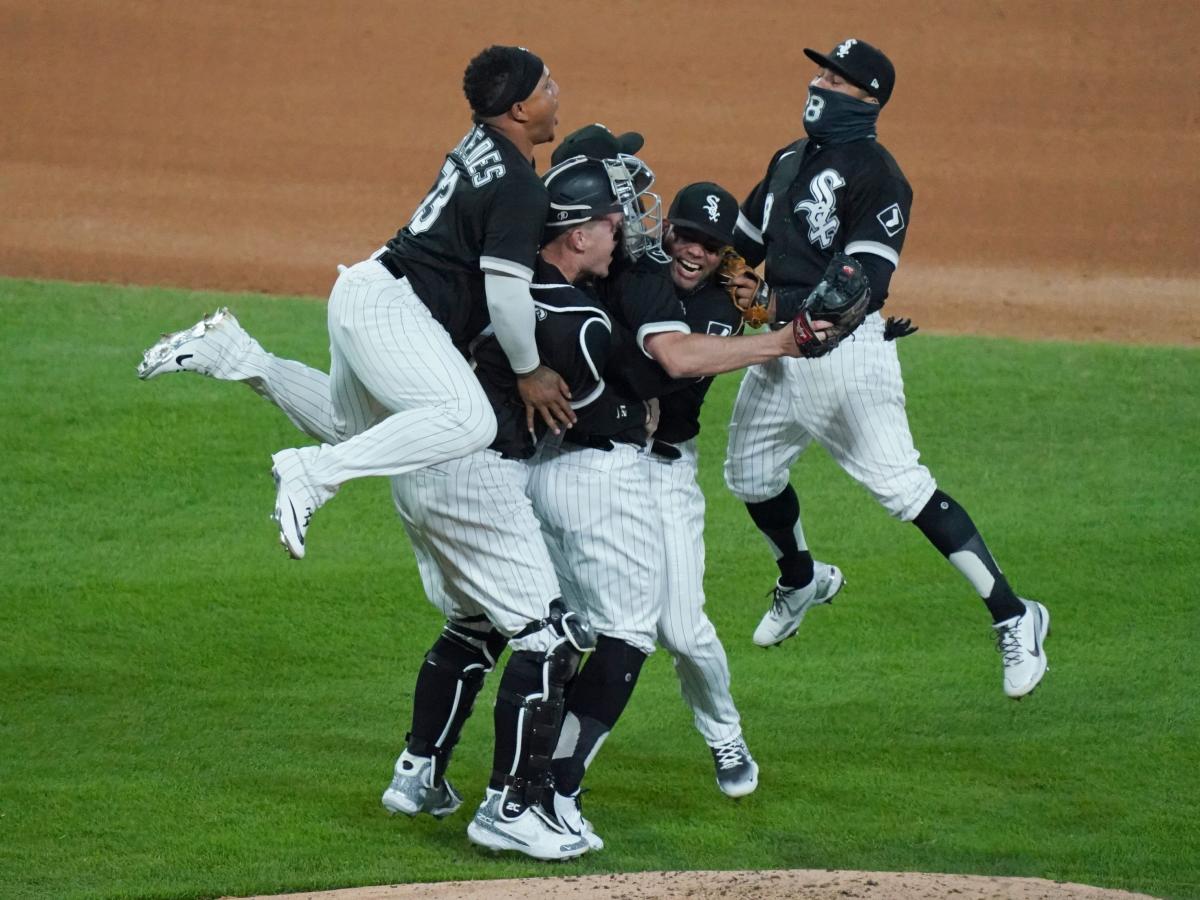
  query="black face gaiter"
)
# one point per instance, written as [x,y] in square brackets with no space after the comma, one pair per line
[831,117]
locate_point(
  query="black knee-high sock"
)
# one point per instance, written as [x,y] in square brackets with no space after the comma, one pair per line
[595,700]
[950,529]
[779,521]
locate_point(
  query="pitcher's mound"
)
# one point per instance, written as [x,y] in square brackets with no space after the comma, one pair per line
[793,884]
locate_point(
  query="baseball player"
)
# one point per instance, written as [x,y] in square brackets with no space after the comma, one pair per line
[403,395]
[701,222]
[590,493]
[840,191]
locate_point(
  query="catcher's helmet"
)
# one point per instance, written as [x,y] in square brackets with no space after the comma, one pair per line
[580,190]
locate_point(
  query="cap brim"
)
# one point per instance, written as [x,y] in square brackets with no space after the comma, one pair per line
[704,228]
[826,63]
[631,142]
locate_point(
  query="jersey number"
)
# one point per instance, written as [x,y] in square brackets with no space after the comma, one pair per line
[435,201]
[816,104]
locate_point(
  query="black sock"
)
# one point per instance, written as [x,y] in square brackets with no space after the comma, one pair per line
[948,527]
[777,518]
[595,700]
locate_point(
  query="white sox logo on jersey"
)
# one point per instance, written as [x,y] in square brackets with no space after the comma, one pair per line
[711,207]
[822,223]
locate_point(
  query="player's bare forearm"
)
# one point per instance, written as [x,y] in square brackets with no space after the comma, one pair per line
[547,396]
[699,355]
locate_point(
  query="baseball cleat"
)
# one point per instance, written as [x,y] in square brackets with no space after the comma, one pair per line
[197,349]
[529,831]
[1019,641]
[568,815]
[737,772]
[294,506]
[412,790]
[788,605]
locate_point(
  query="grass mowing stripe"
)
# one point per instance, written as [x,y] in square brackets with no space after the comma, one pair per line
[186,713]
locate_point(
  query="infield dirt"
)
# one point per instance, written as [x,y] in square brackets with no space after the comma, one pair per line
[228,146]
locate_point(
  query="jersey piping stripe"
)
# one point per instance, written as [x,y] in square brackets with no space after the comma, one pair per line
[597,313]
[583,346]
[875,248]
[505,267]
[659,328]
[748,228]
[590,398]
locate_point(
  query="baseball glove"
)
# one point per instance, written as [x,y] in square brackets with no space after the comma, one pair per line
[841,298]
[733,265]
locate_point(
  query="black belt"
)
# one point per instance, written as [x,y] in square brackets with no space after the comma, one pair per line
[590,441]
[389,263]
[665,450]
[595,442]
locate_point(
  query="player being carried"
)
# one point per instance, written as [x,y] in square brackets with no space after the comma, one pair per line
[402,393]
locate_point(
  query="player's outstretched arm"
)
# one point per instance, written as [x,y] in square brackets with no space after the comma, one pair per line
[699,355]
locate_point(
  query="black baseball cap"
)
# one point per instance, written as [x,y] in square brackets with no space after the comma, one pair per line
[860,63]
[707,208]
[596,142]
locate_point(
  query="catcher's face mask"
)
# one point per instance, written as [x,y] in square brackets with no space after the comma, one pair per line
[642,231]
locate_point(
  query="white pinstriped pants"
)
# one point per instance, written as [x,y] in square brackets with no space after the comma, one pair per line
[851,402]
[403,397]
[478,545]
[684,630]
[603,537]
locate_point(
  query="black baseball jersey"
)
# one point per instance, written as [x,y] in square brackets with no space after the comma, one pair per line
[818,199]
[708,310]
[484,213]
[575,338]
[640,299]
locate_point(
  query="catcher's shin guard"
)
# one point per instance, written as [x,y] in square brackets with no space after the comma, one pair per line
[449,681]
[529,705]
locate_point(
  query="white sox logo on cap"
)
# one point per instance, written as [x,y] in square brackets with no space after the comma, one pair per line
[843,49]
[712,208]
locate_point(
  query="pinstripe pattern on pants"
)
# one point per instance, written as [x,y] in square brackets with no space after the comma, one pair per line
[478,545]
[602,535]
[684,629]
[403,397]
[851,402]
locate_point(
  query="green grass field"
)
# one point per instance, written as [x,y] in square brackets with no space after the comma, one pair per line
[184,712]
